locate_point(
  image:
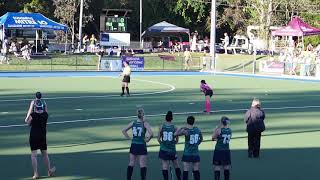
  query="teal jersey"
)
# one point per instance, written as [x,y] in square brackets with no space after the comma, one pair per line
[223,139]
[168,141]
[192,141]
[39,105]
[138,132]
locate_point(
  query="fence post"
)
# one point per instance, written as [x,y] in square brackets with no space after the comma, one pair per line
[162,63]
[51,64]
[76,62]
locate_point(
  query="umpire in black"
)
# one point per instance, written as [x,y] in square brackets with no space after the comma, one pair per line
[254,118]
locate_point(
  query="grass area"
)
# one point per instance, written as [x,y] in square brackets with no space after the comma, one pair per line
[152,62]
[97,150]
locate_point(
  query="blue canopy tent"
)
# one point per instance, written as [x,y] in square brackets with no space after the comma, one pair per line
[165,29]
[34,21]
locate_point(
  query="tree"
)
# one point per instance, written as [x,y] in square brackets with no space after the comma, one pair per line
[68,13]
[39,6]
[232,14]
[191,9]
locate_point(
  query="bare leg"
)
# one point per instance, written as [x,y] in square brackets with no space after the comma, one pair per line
[132,162]
[34,164]
[143,167]
[46,161]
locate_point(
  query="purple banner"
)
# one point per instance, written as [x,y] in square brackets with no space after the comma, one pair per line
[135,63]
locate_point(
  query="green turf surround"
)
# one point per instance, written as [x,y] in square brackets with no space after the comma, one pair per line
[88,62]
[97,150]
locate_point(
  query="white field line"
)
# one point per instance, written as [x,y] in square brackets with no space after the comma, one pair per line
[154,115]
[172,88]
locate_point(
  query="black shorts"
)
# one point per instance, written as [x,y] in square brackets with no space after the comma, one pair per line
[191,158]
[208,93]
[138,149]
[221,157]
[126,79]
[38,143]
[167,156]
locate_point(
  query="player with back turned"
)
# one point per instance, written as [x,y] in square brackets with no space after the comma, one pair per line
[222,156]
[193,138]
[168,143]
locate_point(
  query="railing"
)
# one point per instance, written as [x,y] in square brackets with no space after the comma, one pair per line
[90,63]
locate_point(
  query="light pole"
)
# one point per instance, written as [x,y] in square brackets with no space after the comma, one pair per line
[80,24]
[213,35]
[141,45]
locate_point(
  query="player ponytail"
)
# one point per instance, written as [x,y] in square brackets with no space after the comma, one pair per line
[169,117]
[225,120]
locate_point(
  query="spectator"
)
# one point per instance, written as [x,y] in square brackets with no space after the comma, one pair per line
[14,49]
[187,59]
[93,42]
[225,41]
[254,118]
[4,50]
[100,54]
[26,52]
[309,47]
[85,41]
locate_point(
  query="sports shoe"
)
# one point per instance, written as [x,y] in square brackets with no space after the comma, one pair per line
[35,177]
[121,94]
[52,171]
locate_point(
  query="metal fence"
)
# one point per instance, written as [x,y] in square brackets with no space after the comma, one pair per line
[89,62]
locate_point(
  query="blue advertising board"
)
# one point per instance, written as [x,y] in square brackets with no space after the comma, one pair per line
[136,63]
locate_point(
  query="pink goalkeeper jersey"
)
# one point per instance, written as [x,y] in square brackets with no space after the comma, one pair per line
[205,87]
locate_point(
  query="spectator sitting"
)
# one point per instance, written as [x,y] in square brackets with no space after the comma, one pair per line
[309,47]
[14,49]
[26,52]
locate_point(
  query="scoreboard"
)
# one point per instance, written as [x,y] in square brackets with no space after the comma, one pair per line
[115,24]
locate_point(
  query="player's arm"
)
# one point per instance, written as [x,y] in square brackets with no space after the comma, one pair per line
[125,130]
[149,130]
[46,106]
[159,135]
[215,134]
[200,138]
[28,119]
[29,110]
[181,131]
[177,137]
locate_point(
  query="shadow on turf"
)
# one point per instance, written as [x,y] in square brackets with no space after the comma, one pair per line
[287,164]
[156,145]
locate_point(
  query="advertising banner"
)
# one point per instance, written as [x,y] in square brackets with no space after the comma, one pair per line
[115,39]
[271,66]
[110,65]
[136,63]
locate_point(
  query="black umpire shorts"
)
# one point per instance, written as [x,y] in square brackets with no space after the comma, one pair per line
[126,79]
